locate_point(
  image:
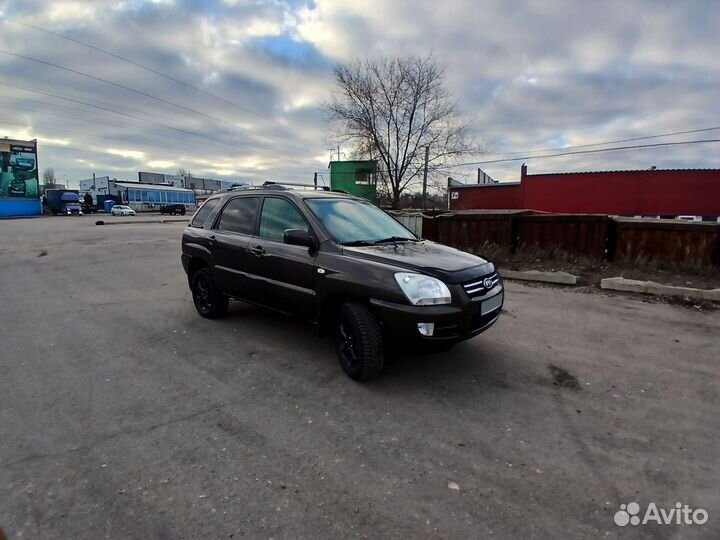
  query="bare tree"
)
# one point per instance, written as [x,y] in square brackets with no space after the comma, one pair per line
[49,179]
[391,109]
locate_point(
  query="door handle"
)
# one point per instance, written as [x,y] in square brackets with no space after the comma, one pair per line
[258,251]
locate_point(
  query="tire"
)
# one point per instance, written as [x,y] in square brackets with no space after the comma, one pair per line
[182,212]
[209,301]
[122,214]
[359,341]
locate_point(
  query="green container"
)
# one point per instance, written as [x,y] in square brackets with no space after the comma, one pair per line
[358,178]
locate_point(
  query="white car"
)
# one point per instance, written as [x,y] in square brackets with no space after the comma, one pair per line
[121,210]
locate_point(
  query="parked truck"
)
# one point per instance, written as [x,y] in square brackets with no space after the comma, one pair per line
[65,202]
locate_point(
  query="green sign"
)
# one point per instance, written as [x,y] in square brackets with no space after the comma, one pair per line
[18,171]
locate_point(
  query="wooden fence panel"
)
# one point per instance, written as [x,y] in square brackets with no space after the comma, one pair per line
[663,241]
[579,235]
[598,237]
[470,232]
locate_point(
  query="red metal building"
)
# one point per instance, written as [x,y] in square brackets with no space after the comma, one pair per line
[651,192]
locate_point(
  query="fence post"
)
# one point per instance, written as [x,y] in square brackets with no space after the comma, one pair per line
[612,236]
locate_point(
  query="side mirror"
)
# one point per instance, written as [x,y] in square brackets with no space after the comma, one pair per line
[298,237]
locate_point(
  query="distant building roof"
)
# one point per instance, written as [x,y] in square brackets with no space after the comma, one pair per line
[499,184]
[158,187]
[624,171]
[18,142]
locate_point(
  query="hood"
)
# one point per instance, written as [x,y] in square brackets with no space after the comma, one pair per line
[449,264]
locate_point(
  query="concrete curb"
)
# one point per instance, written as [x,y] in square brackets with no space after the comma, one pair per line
[558,278]
[141,222]
[650,287]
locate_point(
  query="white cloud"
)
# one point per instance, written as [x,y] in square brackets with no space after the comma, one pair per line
[132,154]
[160,164]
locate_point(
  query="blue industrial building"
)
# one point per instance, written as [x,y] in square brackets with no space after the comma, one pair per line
[143,197]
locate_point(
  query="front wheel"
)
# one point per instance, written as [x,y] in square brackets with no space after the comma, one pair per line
[209,301]
[359,341]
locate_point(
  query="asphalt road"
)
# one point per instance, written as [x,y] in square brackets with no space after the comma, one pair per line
[125,415]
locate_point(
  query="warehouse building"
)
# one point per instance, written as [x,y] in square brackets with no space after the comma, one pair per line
[665,193]
[143,197]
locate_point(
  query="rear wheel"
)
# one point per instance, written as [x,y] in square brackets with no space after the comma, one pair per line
[209,301]
[359,341]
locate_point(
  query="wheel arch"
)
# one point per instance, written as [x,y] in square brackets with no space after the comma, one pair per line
[196,263]
[329,306]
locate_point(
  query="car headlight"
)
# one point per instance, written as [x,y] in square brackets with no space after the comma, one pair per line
[423,290]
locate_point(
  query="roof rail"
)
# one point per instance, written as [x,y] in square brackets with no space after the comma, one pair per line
[281,185]
[240,188]
[278,185]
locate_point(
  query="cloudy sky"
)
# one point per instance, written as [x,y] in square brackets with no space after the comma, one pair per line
[530,75]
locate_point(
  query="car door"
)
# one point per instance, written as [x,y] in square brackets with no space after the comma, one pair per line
[283,272]
[229,240]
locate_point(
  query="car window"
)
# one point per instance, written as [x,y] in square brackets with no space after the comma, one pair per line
[202,214]
[351,220]
[238,216]
[277,216]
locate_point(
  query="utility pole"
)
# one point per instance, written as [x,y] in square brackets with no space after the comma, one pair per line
[424,193]
[338,152]
[315,180]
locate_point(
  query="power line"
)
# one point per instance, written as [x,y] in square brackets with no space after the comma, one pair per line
[577,152]
[35,111]
[686,132]
[181,130]
[146,68]
[66,132]
[67,96]
[142,93]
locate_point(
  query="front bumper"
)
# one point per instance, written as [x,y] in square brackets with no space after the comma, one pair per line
[453,322]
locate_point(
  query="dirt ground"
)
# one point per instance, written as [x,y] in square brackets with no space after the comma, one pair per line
[590,271]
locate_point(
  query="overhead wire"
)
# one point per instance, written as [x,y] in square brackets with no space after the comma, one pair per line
[580,152]
[148,95]
[646,137]
[146,120]
[144,67]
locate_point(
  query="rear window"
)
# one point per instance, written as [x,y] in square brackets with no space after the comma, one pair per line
[239,215]
[202,214]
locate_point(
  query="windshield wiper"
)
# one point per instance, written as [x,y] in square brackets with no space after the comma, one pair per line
[395,239]
[357,243]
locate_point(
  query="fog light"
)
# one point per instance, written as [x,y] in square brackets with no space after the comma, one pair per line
[426,328]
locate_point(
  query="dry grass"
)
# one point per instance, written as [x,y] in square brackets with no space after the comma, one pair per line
[591,271]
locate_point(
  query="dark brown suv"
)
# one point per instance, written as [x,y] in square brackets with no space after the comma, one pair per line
[342,263]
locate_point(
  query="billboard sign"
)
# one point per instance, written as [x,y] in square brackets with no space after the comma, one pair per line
[151,177]
[18,169]
[175,180]
[95,184]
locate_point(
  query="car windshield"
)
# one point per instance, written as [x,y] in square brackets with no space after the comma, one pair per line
[350,221]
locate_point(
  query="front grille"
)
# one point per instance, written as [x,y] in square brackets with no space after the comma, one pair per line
[479,287]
